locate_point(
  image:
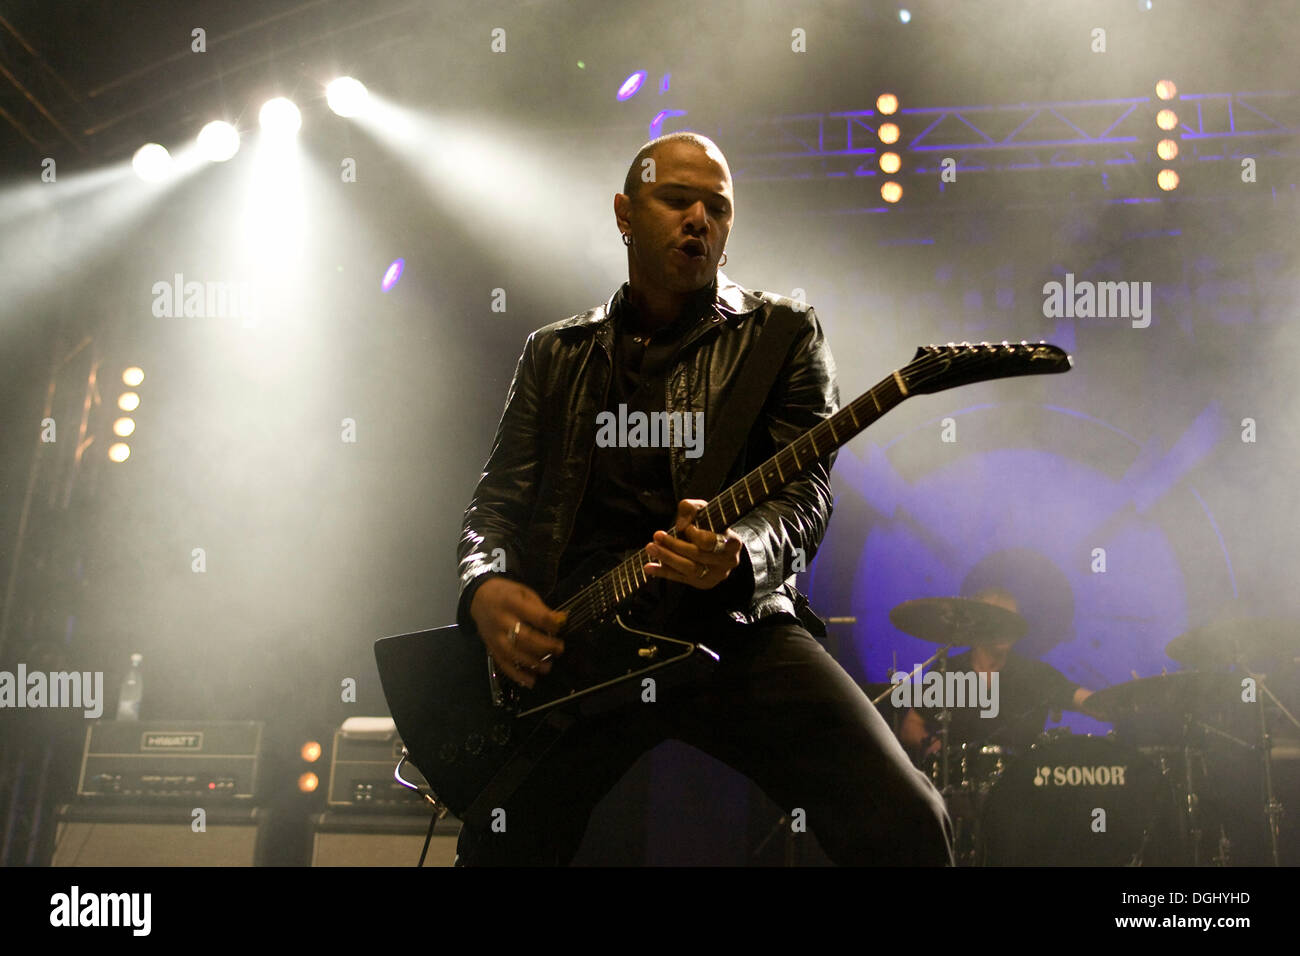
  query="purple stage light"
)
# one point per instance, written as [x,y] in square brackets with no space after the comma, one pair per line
[657,124]
[631,85]
[393,273]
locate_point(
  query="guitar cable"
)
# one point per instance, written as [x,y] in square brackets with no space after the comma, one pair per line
[439,808]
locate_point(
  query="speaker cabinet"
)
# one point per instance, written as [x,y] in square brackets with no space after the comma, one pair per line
[361,839]
[142,835]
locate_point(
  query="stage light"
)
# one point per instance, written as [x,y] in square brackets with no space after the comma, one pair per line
[123,427]
[1166,90]
[631,85]
[1167,149]
[119,452]
[657,121]
[308,782]
[891,192]
[279,117]
[1167,179]
[152,162]
[311,751]
[392,274]
[888,133]
[1166,120]
[346,96]
[887,103]
[132,376]
[904,15]
[128,401]
[218,141]
[890,163]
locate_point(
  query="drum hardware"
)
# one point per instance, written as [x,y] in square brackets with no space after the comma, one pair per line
[1250,647]
[1221,858]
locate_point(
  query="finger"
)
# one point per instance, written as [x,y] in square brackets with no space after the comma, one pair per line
[704,540]
[687,509]
[515,654]
[516,673]
[672,559]
[725,559]
[693,575]
[536,621]
[536,644]
[523,603]
[533,610]
[678,546]
[693,580]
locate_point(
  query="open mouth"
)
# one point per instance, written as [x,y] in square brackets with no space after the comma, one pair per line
[693,250]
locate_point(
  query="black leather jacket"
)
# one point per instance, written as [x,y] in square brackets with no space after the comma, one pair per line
[532,484]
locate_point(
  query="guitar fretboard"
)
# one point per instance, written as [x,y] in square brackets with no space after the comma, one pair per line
[604,595]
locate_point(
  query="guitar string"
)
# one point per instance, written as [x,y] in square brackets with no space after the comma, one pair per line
[602,596]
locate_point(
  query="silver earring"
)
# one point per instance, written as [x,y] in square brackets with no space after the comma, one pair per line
[627,239]
[723,260]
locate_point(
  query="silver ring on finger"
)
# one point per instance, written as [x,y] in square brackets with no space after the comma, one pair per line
[704,573]
[720,544]
[514,635]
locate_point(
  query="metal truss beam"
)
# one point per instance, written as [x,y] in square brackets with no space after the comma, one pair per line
[1018,137]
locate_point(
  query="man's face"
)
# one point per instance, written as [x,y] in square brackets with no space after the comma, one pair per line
[680,222]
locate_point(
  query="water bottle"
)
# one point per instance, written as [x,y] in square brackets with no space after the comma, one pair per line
[128,702]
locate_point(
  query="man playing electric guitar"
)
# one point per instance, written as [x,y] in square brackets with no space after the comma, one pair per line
[565,486]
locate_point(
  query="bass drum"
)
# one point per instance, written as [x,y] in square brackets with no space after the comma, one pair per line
[1080,801]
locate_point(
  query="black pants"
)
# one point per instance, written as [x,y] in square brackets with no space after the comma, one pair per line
[778,709]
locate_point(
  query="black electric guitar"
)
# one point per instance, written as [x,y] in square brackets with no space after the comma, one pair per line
[475,737]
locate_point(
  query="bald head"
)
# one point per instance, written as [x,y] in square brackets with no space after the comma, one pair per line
[633,182]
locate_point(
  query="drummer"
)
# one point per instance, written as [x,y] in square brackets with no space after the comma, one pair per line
[1028,690]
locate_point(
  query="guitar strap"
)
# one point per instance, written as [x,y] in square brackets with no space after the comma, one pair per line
[765,360]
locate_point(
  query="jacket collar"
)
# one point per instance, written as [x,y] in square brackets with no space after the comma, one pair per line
[729,298]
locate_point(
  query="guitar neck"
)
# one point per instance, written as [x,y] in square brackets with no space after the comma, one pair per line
[615,587]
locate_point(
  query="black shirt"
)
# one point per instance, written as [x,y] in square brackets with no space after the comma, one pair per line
[629,494]
[1027,691]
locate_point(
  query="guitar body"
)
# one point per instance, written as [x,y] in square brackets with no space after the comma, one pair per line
[474,750]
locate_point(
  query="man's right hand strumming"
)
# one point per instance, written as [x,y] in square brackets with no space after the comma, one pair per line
[516,626]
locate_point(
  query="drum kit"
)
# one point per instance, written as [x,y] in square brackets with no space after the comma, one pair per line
[1187,777]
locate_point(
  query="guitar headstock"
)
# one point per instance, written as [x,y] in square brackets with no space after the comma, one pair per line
[939,367]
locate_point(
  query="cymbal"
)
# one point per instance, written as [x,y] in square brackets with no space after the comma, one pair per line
[1247,640]
[1168,694]
[955,620]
